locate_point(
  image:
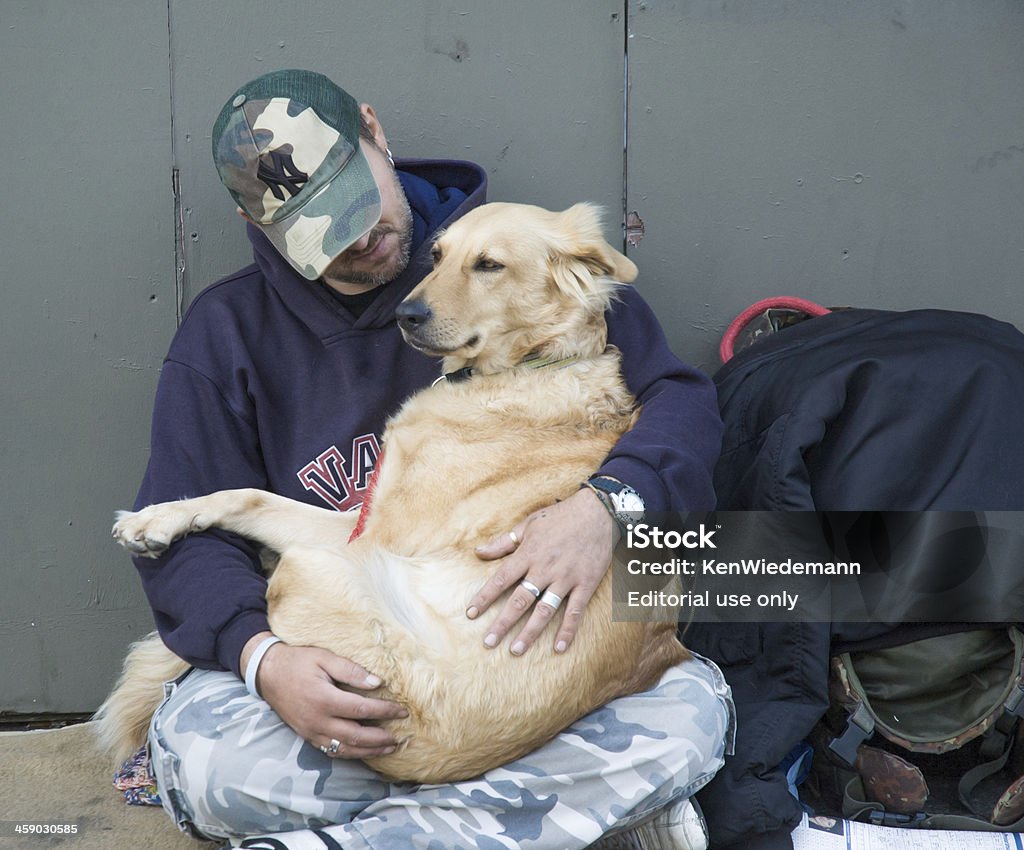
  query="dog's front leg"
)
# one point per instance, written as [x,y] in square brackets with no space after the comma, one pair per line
[271,520]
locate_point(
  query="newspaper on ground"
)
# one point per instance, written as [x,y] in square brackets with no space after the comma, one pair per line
[818,832]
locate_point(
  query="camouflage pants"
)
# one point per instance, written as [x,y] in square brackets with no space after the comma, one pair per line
[228,767]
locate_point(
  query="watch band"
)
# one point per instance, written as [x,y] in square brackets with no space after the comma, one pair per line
[620,500]
[602,497]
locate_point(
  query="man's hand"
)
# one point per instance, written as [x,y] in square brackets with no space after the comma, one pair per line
[299,683]
[564,549]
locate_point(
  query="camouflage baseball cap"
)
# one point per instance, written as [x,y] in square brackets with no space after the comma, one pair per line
[286,146]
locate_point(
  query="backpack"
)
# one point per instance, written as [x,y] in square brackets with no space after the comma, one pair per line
[922,727]
[928,733]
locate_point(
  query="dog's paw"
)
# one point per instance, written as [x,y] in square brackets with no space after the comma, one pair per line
[152,530]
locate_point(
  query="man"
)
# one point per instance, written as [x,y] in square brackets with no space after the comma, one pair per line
[281,377]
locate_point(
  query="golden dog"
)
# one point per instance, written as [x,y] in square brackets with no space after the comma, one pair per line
[518,294]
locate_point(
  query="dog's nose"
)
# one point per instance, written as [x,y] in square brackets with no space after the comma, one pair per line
[412,314]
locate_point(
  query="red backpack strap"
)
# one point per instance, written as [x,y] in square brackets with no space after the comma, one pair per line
[779,302]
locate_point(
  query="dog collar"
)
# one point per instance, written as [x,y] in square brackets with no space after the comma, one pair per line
[456,377]
[531,361]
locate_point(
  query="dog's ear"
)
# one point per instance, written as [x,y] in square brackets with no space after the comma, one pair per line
[582,224]
[581,255]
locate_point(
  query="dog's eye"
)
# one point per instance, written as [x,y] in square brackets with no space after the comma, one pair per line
[435,255]
[487,265]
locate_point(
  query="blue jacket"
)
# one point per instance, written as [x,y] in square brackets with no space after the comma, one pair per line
[271,383]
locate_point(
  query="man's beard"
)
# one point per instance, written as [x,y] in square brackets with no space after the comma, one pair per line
[397,262]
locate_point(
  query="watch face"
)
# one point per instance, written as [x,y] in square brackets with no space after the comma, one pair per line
[628,500]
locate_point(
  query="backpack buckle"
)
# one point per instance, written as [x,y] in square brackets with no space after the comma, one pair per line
[1015,702]
[996,742]
[877,818]
[859,727]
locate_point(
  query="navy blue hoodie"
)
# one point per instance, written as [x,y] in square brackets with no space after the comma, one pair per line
[271,383]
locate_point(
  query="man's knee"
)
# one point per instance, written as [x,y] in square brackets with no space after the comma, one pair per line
[691,707]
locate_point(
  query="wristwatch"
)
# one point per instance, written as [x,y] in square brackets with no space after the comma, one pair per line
[622,501]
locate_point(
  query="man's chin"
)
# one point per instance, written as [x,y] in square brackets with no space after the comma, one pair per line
[379,273]
[376,278]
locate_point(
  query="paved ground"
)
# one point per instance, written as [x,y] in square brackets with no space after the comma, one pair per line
[57,777]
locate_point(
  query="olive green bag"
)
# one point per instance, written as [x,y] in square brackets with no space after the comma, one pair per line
[928,734]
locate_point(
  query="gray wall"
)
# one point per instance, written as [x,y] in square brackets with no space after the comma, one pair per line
[86,310]
[854,153]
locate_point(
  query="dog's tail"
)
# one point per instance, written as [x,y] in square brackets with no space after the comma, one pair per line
[122,722]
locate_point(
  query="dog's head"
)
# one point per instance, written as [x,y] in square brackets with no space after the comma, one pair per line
[510,280]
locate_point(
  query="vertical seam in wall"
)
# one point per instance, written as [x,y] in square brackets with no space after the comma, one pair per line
[179,222]
[625,120]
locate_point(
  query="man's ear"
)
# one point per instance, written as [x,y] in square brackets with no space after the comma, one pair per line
[370,117]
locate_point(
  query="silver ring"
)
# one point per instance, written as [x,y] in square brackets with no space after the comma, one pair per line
[552,599]
[515,537]
[530,587]
[333,748]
